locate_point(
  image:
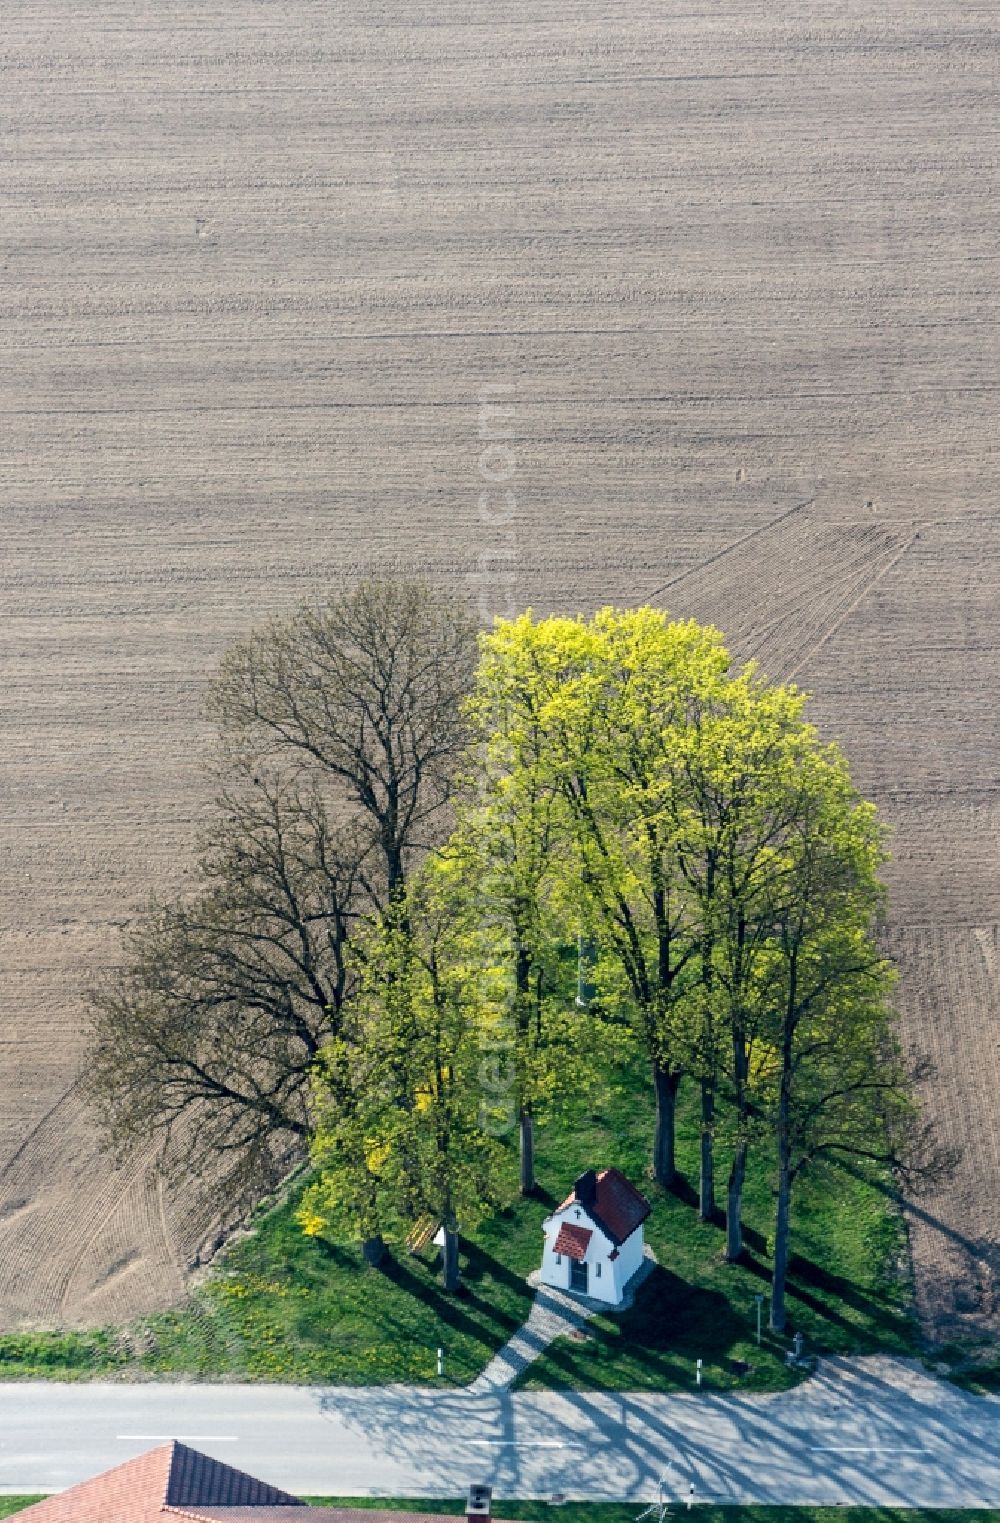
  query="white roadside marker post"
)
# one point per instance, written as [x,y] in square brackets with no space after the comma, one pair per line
[698,1371]
[760,1303]
[440,1361]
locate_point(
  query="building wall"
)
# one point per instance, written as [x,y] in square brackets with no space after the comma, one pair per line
[606,1288]
[628,1261]
[554,1273]
[615,1274]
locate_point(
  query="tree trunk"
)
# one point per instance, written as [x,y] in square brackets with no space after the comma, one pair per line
[706,1173]
[776,1321]
[522,985]
[782,1221]
[666,1084]
[527,1121]
[449,1261]
[783,1137]
[734,1205]
[586,951]
[737,1174]
[373,1250]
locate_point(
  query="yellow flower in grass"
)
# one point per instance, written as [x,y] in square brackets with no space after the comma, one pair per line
[376,1155]
[311,1222]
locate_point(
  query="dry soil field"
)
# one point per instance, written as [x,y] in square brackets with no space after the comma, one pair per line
[737,264]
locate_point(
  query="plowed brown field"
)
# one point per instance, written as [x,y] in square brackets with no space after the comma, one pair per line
[738,265]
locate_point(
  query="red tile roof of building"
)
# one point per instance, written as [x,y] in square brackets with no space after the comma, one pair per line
[175,1482]
[197,1481]
[299,1514]
[573,1241]
[618,1207]
[172,1480]
[131,1493]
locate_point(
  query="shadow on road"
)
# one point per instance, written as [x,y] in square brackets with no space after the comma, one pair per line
[878,1432]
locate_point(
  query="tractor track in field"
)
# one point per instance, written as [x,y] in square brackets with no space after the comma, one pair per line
[738,267]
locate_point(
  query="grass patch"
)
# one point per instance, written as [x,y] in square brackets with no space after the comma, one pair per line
[981,1379]
[627,1512]
[287,1307]
[848,1290]
[57,1356]
[281,1306]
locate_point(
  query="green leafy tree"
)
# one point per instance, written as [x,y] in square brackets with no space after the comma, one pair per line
[516,844]
[731,791]
[345,1198]
[837,1081]
[413,1139]
[608,695]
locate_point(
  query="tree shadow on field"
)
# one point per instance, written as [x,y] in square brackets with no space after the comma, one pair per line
[803,1273]
[543,1197]
[754,1241]
[893,1193]
[755,1266]
[467,1311]
[338,1254]
[480,1264]
[672,1323]
[683,1190]
[809,1284]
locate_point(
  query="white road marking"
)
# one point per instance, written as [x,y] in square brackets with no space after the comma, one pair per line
[863,1449]
[182,1438]
[518,1443]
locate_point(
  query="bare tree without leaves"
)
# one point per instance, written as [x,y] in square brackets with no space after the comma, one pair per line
[209,1034]
[340,730]
[370,690]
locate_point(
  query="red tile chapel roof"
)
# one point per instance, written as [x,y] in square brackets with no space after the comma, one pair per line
[617,1207]
[573,1241]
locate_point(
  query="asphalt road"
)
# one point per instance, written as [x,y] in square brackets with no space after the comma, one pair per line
[865,1431]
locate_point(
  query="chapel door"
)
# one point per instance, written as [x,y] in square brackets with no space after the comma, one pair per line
[578,1279]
